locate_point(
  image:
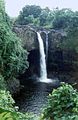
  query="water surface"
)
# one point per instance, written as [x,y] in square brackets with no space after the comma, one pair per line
[34,96]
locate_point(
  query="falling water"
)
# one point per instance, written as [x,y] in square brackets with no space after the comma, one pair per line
[43,70]
[46,47]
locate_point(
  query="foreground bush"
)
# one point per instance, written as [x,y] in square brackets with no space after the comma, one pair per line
[6,101]
[8,111]
[62,104]
[9,115]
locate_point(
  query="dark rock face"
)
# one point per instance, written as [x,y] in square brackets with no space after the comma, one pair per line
[56,55]
[30,40]
[28,37]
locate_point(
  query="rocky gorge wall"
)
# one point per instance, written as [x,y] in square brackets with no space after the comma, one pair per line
[59,59]
[28,37]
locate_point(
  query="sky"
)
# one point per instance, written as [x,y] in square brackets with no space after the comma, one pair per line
[13,7]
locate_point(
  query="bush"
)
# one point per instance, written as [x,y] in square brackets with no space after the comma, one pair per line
[7,115]
[3,84]
[62,104]
[8,111]
[6,101]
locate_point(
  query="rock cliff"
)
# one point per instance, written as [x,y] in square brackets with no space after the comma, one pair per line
[59,59]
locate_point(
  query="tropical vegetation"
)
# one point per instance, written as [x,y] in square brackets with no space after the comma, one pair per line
[63,101]
[62,104]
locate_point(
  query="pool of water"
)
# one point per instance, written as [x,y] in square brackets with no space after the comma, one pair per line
[34,96]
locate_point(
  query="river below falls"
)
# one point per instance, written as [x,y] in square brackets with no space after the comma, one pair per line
[34,96]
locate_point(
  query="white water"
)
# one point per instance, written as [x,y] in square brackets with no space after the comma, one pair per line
[43,70]
[46,47]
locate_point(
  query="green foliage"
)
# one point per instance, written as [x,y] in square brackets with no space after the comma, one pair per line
[3,84]
[64,19]
[58,19]
[62,104]
[2,6]
[13,58]
[70,42]
[43,17]
[8,111]
[25,116]
[6,116]
[32,14]
[28,11]
[31,10]
[6,101]
[8,20]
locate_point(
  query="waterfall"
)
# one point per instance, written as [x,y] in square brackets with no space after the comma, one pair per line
[46,47]
[43,70]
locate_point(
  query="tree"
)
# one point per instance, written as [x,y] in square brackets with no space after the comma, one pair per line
[31,10]
[62,18]
[2,10]
[43,17]
[27,12]
[13,58]
[2,6]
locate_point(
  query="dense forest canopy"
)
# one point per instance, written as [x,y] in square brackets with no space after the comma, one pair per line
[35,15]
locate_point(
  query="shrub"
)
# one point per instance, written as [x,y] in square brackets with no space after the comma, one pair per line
[6,101]
[8,111]
[62,104]
[3,84]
